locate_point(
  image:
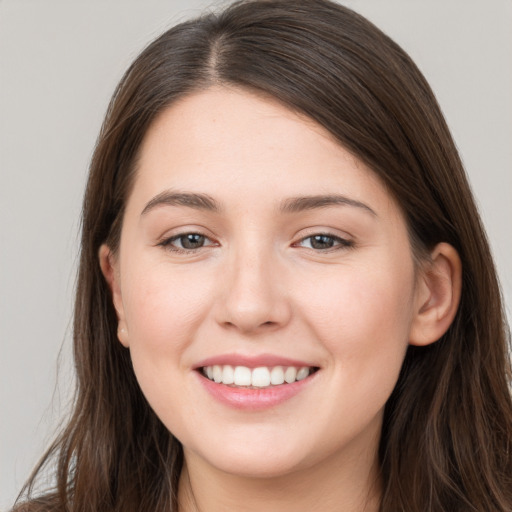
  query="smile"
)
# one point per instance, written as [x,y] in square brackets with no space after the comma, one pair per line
[256,378]
[255,387]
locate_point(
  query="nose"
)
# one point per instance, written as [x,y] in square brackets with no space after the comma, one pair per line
[254,297]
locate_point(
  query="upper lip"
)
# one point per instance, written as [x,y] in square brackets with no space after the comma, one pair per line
[252,361]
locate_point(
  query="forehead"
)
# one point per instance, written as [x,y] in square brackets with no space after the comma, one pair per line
[232,143]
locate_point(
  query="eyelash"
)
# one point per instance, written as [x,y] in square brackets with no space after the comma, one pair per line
[168,243]
[338,243]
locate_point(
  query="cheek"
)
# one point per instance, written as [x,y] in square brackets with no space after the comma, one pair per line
[363,317]
[163,311]
[360,300]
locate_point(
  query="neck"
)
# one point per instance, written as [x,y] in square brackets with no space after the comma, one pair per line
[352,485]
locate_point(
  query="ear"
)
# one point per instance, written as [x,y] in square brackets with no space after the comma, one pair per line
[110,269]
[437,295]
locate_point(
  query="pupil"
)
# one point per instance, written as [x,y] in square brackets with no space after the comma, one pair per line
[192,241]
[322,242]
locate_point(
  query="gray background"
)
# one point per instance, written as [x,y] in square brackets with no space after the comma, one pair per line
[59,63]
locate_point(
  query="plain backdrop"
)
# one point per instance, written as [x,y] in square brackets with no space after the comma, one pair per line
[59,63]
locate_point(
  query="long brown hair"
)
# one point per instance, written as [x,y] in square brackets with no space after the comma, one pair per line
[447,434]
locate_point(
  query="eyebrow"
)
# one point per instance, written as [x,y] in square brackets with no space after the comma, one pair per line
[298,204]
[292,205]
[190,200]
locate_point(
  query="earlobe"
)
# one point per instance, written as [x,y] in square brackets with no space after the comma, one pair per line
[110,271]
[437,295]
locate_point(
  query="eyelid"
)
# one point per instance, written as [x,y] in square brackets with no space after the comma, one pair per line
[166,241]
[182,230]
[343,241]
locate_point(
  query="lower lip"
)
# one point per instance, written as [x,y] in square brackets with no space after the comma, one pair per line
[254,399]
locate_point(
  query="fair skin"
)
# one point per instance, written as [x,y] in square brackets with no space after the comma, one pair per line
[281,249]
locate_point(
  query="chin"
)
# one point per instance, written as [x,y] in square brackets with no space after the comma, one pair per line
[257,466]
[259,458]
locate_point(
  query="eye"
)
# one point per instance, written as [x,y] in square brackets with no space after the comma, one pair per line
[186,242]
[324,242]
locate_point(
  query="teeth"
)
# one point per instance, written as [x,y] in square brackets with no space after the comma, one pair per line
[242,376]
[277,375]
[290,374]
[302,373]
[228,375]
[261,377]
[217,373]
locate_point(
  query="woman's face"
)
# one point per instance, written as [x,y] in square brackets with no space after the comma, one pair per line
[252,240]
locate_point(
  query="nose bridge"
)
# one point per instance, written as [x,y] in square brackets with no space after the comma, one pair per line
[254,295]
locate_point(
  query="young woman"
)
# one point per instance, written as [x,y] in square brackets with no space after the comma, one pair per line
[286,299]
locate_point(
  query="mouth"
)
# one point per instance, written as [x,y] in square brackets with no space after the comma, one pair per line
[261,377]
[256,382]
